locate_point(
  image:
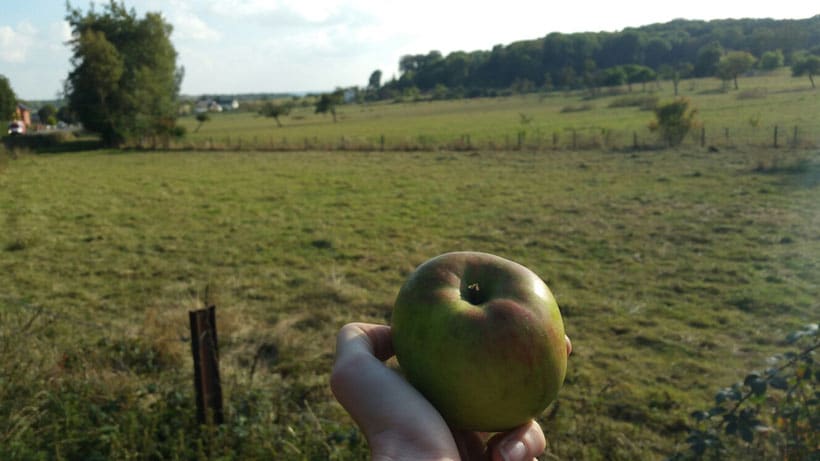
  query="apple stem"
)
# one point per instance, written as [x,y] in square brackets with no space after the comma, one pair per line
[473,294]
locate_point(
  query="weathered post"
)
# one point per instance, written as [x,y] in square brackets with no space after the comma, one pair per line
[205,350]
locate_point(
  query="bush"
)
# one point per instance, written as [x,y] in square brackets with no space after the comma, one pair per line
[773,414]
[673,121]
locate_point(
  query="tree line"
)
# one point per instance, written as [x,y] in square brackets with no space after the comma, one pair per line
[677,49]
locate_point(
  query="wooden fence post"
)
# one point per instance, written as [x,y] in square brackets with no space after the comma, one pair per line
[205,350]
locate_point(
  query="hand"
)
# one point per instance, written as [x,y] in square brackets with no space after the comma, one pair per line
[399,423]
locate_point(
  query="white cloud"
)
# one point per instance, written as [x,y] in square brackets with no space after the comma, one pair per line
[191,27]
[16,43]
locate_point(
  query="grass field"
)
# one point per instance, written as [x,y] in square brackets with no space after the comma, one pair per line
[677,272]
[544,122]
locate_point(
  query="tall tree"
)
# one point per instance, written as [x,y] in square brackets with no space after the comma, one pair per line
[125,81]
[375,81]
[8,100]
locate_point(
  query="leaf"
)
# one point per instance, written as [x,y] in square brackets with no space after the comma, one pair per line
[746,434]
[750,378]
[779,382]
[700,415]
[758,386]
[714,411]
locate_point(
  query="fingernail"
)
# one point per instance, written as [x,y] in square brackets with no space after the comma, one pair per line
[513,451]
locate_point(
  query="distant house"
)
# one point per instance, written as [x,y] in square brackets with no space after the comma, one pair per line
[207,105]
[228,103]
[23,114]
[216,105]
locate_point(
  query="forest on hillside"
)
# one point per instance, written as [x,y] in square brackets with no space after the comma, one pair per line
[677,49]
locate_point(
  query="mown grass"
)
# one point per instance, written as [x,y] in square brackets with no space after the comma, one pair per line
[546,121]
[677,272]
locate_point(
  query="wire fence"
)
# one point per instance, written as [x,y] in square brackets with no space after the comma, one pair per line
[539,140]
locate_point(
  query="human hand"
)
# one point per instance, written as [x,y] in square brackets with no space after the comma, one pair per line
[399,423]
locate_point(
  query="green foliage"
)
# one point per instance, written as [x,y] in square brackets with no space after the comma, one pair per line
[276,110]
[807,65]
[328,103]
[734,64]
[124,80]
[8,100]
[776,412]
[673,120]
[772,60]
[202,118]
[562,61]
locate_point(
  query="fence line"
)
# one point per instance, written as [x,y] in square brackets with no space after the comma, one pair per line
[538,140]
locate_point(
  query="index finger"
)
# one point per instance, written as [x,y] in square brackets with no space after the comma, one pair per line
[358,338]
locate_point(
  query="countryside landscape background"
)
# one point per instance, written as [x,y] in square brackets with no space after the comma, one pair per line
[679,269]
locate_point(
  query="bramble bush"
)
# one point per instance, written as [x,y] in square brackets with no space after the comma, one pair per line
[773,414]
[673,120]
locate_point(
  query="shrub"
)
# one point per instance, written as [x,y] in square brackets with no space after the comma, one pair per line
[673,121]
[773,414]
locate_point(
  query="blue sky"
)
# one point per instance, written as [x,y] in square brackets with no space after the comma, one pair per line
[242,46]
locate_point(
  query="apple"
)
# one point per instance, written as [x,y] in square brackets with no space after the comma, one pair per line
[482,338]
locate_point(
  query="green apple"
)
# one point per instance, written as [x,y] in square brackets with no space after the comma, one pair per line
[482,338]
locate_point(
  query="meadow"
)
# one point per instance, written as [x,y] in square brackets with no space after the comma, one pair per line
[613,118]
[677,271]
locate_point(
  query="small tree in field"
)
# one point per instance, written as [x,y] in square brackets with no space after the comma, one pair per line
[808,65]
[328,102]
[673,121]
[733,64]
[275,111]
[201,118]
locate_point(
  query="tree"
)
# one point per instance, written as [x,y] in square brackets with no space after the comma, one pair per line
[48,114]
[8,100]
[124,82]
[201,117]
[807,65]
[733,64]
[328,102]
[375,81]
[771,60]
[638,74]
[273,110]
[707,59]
[614,76]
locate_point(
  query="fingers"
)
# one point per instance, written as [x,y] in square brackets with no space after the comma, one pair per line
[521,444]
[569,345]
[364,338]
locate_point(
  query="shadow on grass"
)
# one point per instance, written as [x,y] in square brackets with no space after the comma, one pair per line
[800,171]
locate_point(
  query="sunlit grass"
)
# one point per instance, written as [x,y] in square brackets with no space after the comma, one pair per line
[677,272]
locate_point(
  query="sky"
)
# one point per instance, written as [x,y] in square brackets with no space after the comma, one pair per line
[280,46]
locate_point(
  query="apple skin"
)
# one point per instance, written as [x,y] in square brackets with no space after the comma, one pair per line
[482,338]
